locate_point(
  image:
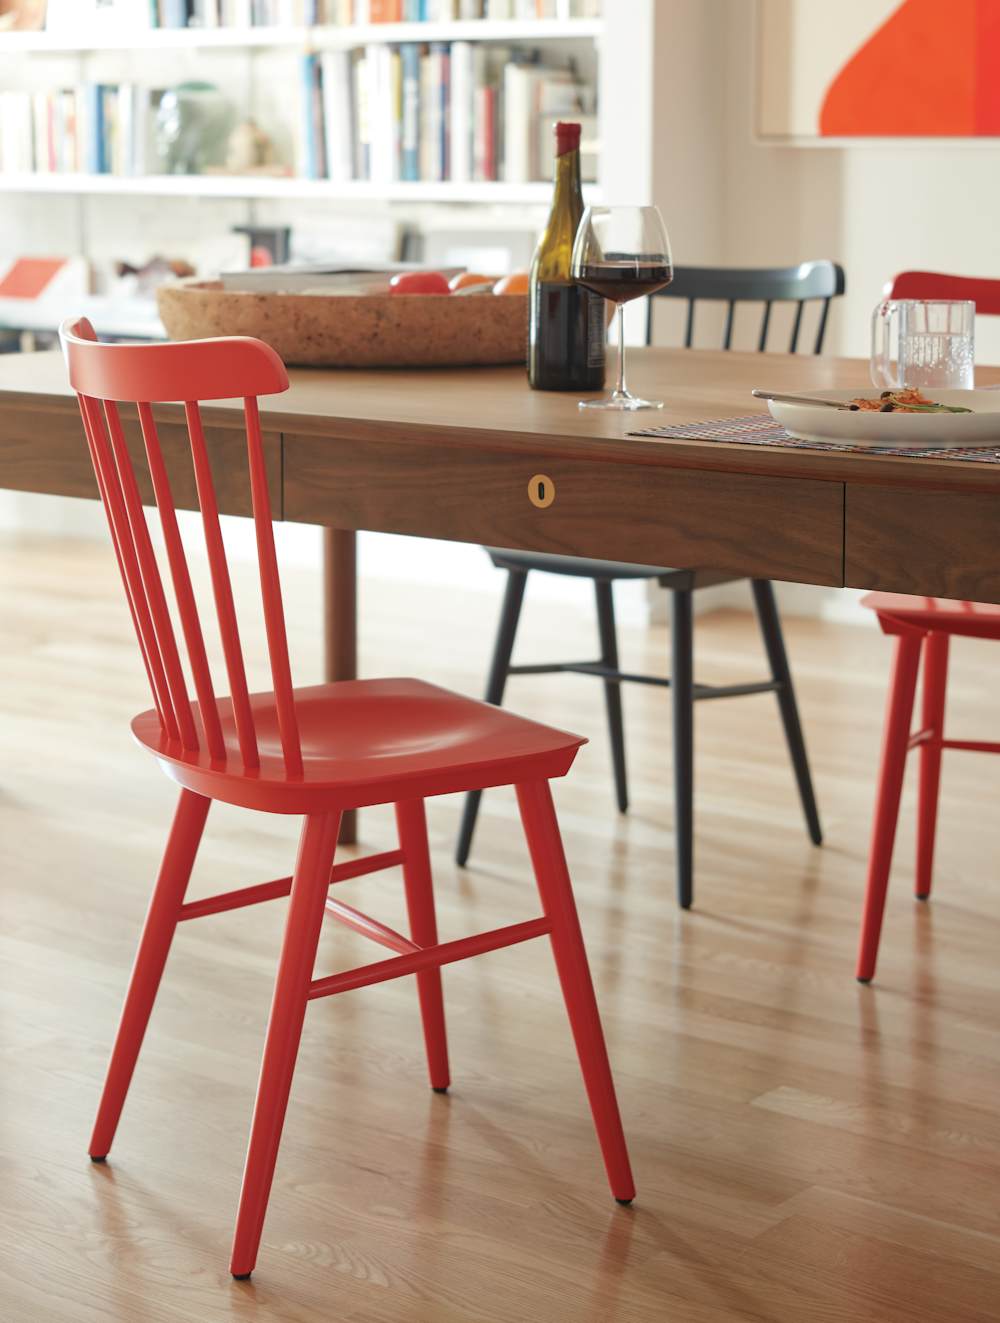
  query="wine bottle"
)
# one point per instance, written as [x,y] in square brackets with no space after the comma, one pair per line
[566,323]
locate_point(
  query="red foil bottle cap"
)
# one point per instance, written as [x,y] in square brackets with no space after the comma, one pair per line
[567,138]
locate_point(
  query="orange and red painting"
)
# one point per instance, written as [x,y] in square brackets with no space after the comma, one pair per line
[879,68]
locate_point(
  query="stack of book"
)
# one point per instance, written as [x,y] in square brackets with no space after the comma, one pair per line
[96,128]
[453,111]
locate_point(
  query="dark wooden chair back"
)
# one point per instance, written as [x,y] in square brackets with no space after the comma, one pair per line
[820,281]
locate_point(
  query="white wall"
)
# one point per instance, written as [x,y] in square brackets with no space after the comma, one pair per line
[876,207]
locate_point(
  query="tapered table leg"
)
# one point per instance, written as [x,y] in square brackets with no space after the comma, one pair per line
[340,625]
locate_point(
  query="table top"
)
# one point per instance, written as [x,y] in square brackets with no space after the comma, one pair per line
[472,407]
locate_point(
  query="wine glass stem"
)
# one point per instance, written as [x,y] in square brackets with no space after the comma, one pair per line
[621,389]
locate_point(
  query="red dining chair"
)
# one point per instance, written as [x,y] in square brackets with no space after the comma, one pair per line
[985,294]
[920,625]
[314,752]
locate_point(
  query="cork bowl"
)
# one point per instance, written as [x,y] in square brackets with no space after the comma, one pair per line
[350,331]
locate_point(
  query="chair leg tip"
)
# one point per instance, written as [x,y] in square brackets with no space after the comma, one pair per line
[625,1203]
[241,1276]
[440,1088]
[98,1157]
[922,895]
[865,980]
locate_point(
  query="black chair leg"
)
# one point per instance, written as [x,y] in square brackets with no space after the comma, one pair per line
[503,648]
[682,689]
[774,644]
[612,688]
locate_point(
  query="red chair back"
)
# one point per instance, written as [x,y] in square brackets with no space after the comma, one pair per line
[105,376]
[934,285]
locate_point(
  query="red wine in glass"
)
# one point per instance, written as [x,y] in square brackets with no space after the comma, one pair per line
[622,281]
[621,253]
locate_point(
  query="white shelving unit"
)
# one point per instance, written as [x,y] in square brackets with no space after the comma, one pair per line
[16,45]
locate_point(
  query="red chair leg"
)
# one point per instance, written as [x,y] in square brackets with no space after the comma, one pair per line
[935,683]
[151,957]
[549,862]
[895,740]
[412,824]
[288,1008]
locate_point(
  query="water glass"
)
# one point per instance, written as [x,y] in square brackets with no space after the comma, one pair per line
[923,343]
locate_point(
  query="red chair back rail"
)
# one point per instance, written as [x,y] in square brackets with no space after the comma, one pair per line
[200,370]
[936,285]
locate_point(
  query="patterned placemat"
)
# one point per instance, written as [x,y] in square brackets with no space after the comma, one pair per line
[761,430]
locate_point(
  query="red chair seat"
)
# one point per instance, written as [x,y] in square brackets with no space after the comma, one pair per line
[365,742]
[941,614]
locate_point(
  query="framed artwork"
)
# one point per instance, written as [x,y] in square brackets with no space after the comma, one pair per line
[878,69]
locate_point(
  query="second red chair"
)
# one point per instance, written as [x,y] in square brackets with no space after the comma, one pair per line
[922,628]
[315,752]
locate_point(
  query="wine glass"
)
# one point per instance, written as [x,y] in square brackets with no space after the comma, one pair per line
[622,253]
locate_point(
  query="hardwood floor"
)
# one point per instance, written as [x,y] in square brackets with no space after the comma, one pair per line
[805,1149]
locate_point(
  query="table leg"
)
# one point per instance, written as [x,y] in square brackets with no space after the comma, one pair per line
[340,625]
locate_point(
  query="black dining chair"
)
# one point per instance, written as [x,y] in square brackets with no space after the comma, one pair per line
[820,281]
[809,282]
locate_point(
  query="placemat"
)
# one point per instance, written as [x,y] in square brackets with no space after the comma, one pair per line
[761,430]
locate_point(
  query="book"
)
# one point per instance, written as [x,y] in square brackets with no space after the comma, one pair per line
[461,112]
[91,127]
[41,134]
[409,168]
[362,132]
[381,115]
[484,149]
[431,119]
[173,14]
[338,114]
[518,91]
[313,162]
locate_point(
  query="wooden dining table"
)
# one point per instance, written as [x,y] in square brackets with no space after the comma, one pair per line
[473,455]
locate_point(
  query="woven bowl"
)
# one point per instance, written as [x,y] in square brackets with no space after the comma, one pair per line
[349,331]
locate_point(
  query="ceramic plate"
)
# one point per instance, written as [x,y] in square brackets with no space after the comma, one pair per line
[921,430]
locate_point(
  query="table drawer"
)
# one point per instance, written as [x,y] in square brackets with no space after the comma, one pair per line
[782,528]
[941,544]
[47,452]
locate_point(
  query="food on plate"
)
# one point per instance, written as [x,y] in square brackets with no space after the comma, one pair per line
[418,282]
[904,401]
[469,280]
[516,283]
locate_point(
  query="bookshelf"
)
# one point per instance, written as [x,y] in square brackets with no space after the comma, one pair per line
[263,74]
